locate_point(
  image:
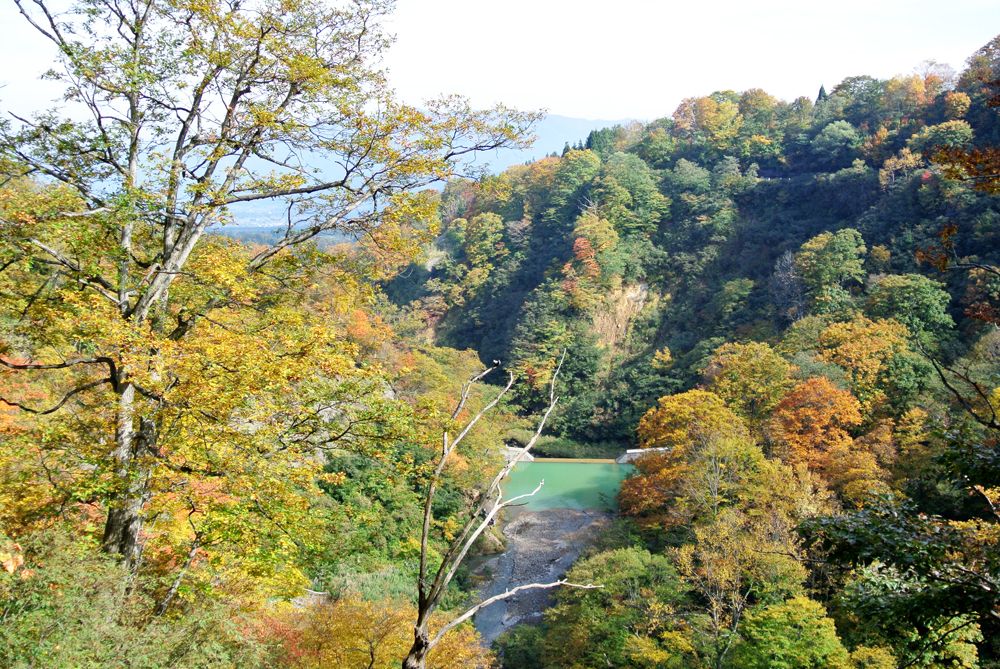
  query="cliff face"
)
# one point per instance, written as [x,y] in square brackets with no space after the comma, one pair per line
[612,319]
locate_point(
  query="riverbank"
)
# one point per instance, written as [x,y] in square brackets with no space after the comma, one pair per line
[541,547]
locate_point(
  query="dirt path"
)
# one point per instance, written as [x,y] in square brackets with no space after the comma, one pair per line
[541,546]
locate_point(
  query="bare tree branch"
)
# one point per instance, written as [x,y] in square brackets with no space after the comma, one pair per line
[59,405]
[479,518]
[446,450]
[506,595]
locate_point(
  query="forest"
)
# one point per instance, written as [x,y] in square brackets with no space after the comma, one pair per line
[283,450]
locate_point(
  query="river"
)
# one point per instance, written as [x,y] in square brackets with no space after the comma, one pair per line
[546,534]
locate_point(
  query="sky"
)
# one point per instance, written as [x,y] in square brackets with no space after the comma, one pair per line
[621,59]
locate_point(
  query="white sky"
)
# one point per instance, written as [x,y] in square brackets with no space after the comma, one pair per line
[620,59]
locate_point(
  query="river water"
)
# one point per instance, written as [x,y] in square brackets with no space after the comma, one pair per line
[545,534]
[567,484]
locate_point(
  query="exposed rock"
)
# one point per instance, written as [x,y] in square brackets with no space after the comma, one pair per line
[622,305]
[541,547]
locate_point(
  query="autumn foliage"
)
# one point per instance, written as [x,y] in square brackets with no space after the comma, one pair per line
[677,432]
[353,633]
[814,419]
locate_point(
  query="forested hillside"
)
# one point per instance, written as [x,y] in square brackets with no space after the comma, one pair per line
[286,450]
[650,246]
[795,304]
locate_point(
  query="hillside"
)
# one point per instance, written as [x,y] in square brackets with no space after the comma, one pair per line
[313,445]
[795,305]
[688,232]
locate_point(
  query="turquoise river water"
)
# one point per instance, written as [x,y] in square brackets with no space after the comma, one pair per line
[568,485]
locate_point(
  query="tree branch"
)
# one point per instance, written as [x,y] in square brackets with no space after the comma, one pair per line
[991,422]
[505,595]
[66,398]
[474,527]
[446,449]
[99,360]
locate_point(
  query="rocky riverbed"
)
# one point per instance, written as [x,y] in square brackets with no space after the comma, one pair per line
[541,546]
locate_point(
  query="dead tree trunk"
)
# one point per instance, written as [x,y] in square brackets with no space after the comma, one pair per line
[430,589]
[417,658]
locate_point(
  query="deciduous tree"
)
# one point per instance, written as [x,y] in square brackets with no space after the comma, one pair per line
[795,634]
[812,420]
[751,379]
[884,371]
[180,111]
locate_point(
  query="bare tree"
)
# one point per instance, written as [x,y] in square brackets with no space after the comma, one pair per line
[786,287]
[490,503]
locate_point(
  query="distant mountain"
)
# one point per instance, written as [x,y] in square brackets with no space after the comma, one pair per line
[261,231]
[552,132]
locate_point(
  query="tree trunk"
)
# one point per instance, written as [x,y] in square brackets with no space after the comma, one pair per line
[161,608]
[124,524]
[417,657]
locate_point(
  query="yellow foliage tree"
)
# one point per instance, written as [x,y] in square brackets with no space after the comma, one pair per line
[865,349]
[751,379]
[351,633]
[182,348]
[677,422]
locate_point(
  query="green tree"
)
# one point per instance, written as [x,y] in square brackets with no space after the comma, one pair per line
[795,634]
[919,303]
[919,582]
[947,135]
[628,196]
[832,259]
[836,145]
[640,596]
[572,176]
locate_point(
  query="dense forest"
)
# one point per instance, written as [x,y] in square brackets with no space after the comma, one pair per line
[795,304]
[279,451]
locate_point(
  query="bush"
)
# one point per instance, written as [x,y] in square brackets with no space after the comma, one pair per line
[67,607]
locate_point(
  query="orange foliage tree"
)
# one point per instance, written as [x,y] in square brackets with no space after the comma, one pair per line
[351,632]
[812,421]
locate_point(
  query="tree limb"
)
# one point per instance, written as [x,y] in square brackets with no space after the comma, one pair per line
[66,398]
[990,422]
[505,595]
